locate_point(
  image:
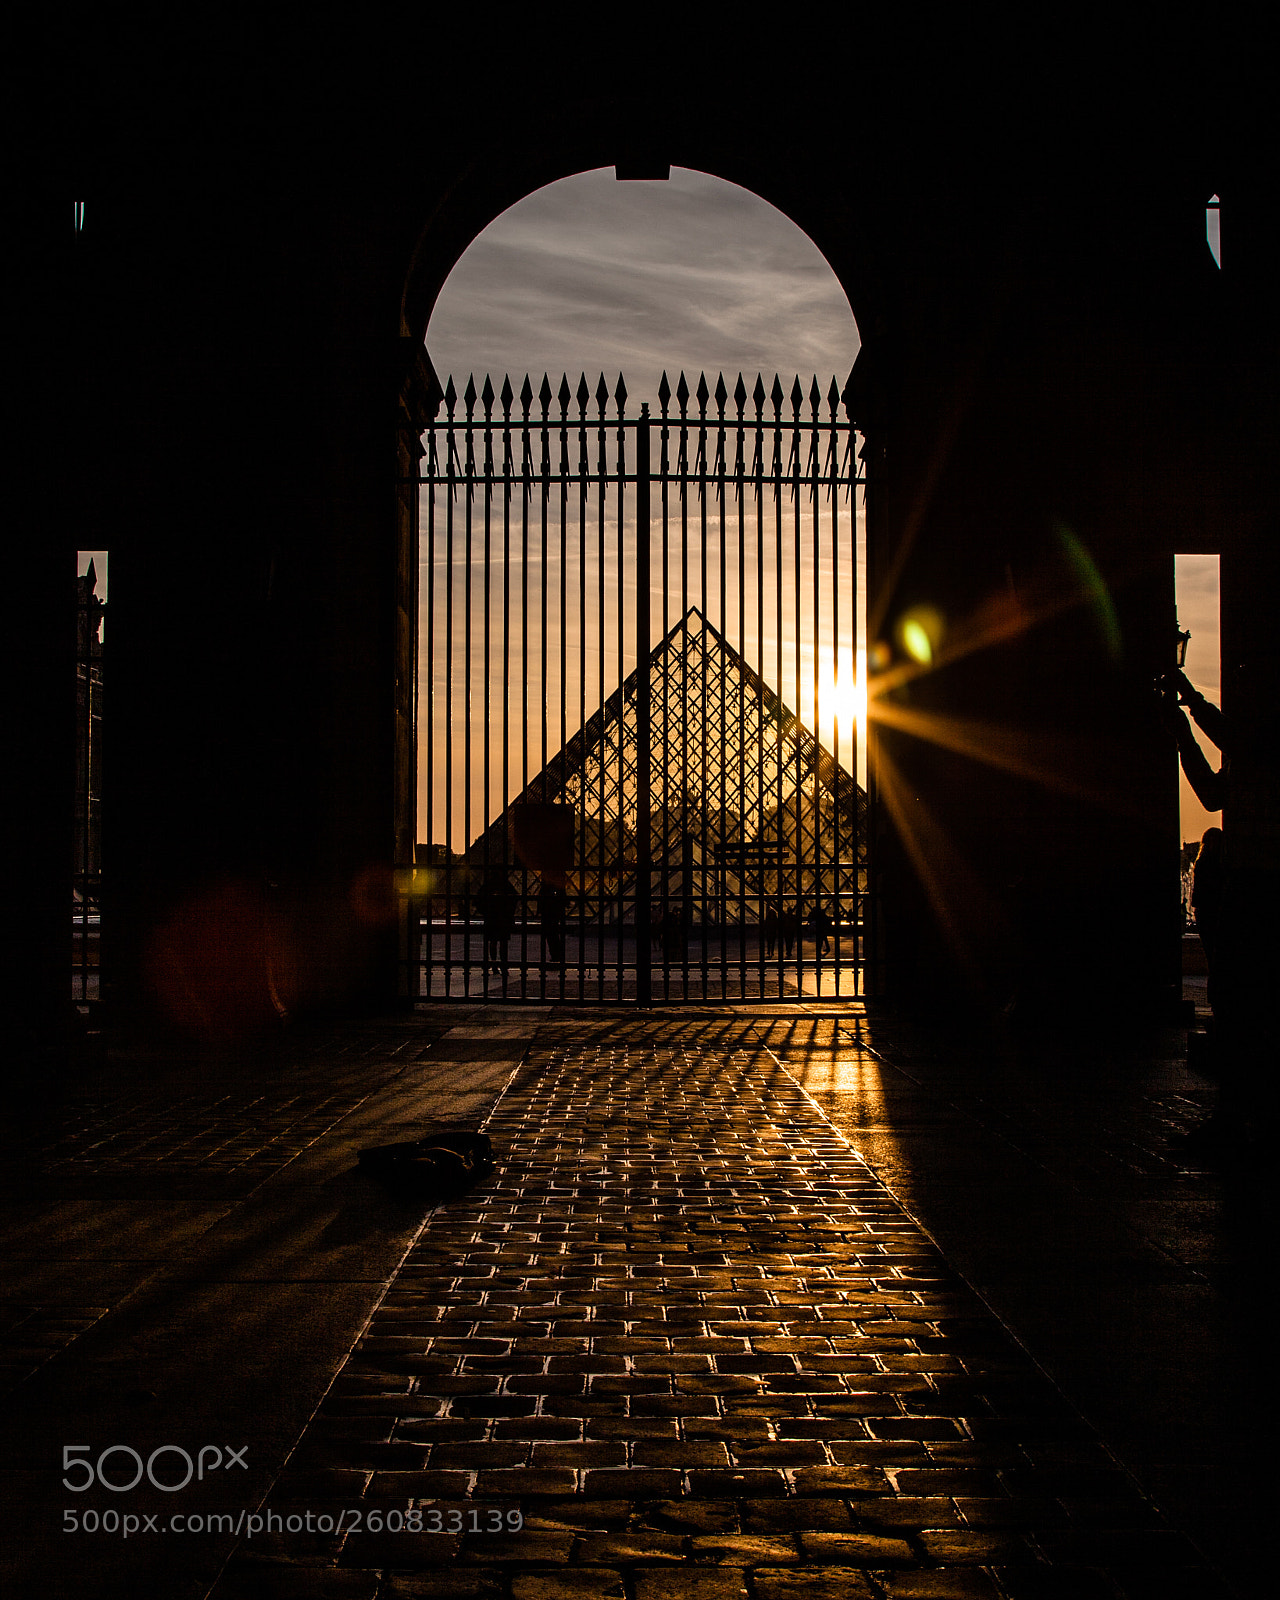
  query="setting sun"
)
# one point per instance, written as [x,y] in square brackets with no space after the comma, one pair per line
[843,700]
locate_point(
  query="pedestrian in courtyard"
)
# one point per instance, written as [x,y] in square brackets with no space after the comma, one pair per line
[1230,931]
[551,914]
[498,913]
[820,925]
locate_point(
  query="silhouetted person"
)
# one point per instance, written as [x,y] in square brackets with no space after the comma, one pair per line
[1220,897]
[771,925]
[551,914]
[820,925]
[498,910]
[790,928]
[672,935]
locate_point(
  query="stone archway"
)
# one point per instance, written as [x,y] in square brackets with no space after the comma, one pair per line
[758,230]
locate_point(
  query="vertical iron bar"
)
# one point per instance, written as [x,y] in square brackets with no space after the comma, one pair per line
[818,907]
[428,977]
[563,628]
[686,822]
[702,600]
[664,465]
[508,473]
[564,563]
[542,612]
[838,731]
[757,467]
[467,668]
[602,481]
[794,465]
[522,898]
[584,458]
[644,766]
[775,475]
[543,710]
[488,517]
[869,969]
[451,400]
[722,870]
[850,886]
[621,724]
[739,488]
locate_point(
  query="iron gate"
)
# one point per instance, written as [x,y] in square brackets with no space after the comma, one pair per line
[637,718]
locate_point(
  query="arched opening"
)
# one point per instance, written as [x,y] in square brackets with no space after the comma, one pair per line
[1198,585]
[593,315]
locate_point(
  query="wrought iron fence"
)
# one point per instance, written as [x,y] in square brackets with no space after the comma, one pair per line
[639,749]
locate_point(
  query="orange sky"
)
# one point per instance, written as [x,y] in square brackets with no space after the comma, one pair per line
[1197,580]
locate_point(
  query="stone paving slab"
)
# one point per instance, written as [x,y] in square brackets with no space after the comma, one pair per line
[685,1343]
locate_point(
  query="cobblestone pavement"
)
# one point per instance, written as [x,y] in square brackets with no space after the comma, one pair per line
[686,1344]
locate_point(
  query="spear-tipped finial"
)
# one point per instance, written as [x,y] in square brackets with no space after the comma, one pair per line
[564,394]
[544,394]
[682,392]
[469,394]
[664,391]
[507,395]
[722,394]
[487,395]
[602,393]
[526,395]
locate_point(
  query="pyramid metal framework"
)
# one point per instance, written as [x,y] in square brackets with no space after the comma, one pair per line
[748,813]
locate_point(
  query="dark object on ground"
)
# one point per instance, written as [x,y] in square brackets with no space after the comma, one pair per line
[1201,1054]
[1214,1141]
[439,1165]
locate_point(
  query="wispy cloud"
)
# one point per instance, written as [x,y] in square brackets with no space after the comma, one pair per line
[593,275]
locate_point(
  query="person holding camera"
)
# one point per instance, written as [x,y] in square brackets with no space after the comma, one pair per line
[1176,691]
